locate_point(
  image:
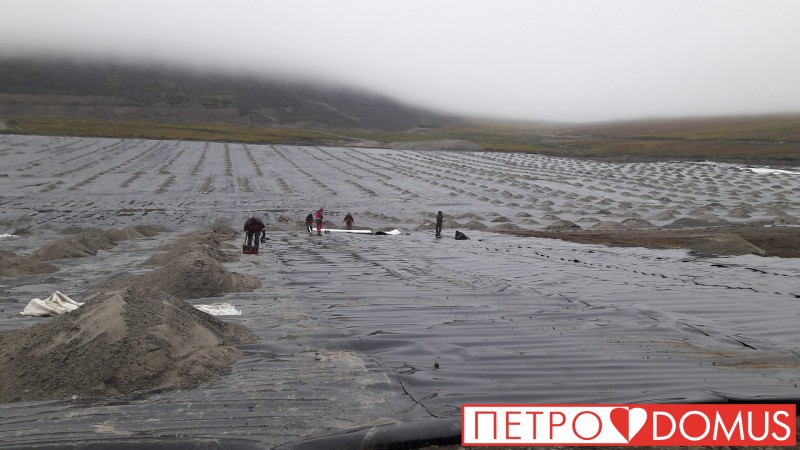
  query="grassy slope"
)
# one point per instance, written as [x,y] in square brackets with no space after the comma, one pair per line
[147,129]
[774,139]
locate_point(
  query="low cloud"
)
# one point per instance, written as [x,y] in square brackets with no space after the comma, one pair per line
[568,60]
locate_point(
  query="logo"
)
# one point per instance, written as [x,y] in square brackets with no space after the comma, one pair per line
[634,425]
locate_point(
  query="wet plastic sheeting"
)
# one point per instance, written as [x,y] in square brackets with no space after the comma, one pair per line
[554,322]
[351,327]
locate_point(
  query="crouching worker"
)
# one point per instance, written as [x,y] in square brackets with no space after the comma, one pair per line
[254,228]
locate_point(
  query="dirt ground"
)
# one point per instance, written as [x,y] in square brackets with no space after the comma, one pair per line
[783,242]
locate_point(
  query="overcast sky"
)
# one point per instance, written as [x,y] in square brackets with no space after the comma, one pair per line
[565,60]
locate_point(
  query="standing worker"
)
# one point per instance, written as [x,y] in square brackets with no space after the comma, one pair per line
[439,221]
[348,220]
[319,221]
[309,222]
[254,227]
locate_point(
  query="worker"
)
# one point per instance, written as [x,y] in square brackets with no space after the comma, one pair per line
[348,221]
[310,222]
[439,221]
[319,221]
[254,228]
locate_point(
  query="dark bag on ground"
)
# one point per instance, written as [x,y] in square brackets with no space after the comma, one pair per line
[461,236]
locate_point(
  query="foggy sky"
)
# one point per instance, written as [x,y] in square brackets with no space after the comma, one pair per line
[564,60]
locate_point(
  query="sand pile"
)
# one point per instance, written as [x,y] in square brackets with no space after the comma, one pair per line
[191,267]
[190,275]
[209,241]
[12,265]
[136,335]
[508,226]
[87,241]
[608,225]
[122,342]
[471,216]
[286,223]
[563,225]
[475,225]
[722,244]
[636,223]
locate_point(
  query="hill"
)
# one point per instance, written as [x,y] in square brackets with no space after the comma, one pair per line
[105,91]
[68,98]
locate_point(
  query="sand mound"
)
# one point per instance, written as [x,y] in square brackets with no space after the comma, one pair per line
[664,215]
[209,242]
[85,243]
[193,275]
[688,222]
[635,223]
[608,225]
[12,265]
[17,221]
[563,225]
[474,225]
[785,221]
[446,223]
[501,219]
[149,230]
[383,217]
[88,241]
[722,244]
[471,216]
[185,246]
[507,227]
[122,342]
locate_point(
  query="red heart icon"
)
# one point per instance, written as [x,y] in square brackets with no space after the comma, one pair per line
[628,421]
[619,417]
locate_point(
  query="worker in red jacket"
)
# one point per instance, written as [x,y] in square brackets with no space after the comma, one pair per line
[254,227]
[318,217]
[348,221]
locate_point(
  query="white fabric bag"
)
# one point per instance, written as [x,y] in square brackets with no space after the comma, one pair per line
[57,303]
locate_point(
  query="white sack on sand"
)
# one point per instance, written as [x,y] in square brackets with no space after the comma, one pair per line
[57,303]
[219,309]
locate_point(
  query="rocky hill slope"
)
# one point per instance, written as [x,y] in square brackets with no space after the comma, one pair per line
[70,89]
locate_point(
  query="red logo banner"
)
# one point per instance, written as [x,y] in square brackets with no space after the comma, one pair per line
[634,425]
